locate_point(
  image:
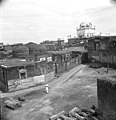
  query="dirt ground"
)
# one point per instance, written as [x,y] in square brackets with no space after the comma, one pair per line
[77,87]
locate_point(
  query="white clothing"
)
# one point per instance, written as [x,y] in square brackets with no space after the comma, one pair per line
[46,85]
[47,88]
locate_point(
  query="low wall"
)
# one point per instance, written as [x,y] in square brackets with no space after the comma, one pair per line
[74,62]
[49,76]
[25,83]
[106,89]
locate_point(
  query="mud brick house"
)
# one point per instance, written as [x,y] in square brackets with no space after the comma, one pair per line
[79,52]
[76,42]
[59,58]
[46,63]
[5,53]
[68,58]
[102,49]
[18,74]
[50,47]
[54,45]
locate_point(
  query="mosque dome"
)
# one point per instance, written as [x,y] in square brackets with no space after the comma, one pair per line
[85,25]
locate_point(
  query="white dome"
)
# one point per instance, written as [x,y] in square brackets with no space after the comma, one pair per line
[85,25]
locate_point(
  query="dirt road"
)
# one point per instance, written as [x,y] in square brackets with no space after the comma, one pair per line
[73,88]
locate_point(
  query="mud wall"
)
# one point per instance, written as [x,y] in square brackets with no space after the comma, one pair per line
[64,66]
[18,84]
[106,89]
[3,87]
[49,76]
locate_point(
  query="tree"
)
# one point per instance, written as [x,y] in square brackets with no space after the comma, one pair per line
[36,48]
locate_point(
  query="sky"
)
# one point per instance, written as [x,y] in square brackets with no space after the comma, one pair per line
[23,21]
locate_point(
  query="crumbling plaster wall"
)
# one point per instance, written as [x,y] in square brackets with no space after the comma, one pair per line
[106,88]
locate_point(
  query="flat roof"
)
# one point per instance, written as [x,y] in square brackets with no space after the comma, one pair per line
[15,63]
[95,36]
[102,36]
[73,38]
[76,49]
[70,49]
[58,52]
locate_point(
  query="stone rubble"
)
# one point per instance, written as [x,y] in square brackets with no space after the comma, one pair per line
[79,114]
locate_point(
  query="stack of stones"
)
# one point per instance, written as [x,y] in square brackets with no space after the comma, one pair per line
[79,114]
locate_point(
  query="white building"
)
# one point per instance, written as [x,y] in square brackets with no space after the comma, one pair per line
[85,30]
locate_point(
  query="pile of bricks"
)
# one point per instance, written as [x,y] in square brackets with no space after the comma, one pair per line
[79,114]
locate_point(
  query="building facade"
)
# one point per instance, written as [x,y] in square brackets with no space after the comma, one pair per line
[102,49]
[16,74]
[19,74]
[85,30]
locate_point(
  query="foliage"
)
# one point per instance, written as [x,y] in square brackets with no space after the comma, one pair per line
[35,48]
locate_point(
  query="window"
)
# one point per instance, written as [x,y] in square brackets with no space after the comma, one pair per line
[49,59]
[112,44]
[97,45]
[22,73]
[42,59]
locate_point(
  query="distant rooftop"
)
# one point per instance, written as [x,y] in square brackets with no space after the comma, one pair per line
[7,63]
[68,50]
[102,36]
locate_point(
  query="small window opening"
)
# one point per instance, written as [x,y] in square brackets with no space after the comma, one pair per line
[23,73]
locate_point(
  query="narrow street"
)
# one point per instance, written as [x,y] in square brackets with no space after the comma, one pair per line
[72,88]
[58,60]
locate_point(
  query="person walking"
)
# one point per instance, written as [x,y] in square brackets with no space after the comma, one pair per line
[47,88]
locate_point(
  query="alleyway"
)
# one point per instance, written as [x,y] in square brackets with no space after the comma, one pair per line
[73,88]
[77,87]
